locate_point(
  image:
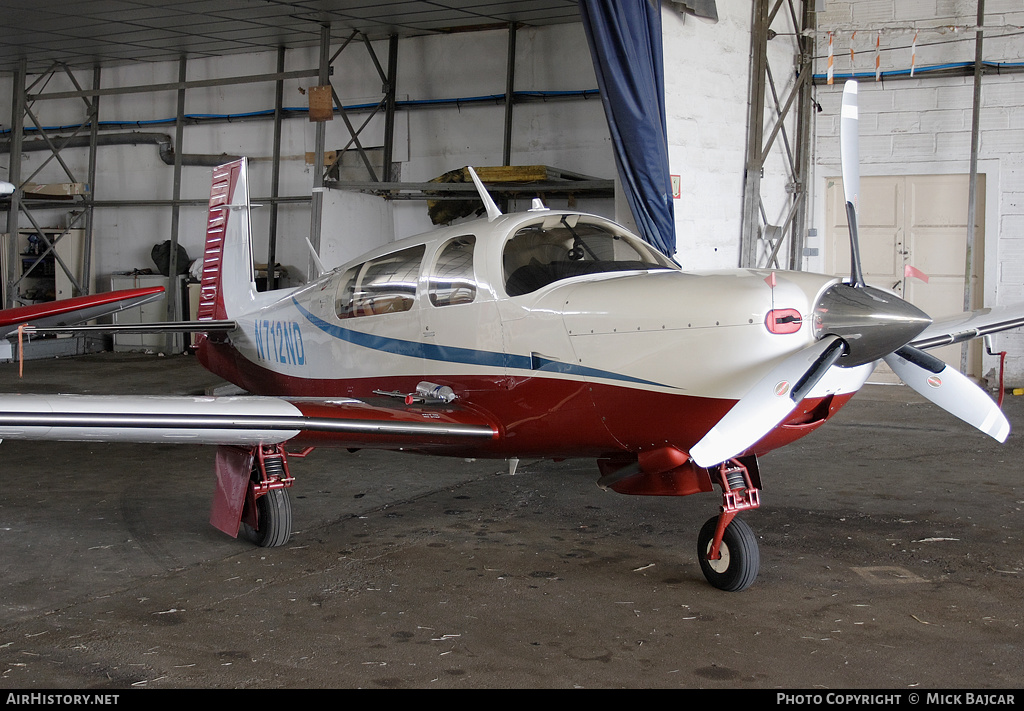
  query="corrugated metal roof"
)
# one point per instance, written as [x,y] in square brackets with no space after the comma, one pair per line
[87,33]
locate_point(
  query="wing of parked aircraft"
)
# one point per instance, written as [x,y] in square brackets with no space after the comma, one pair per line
[79,309]
[968,326]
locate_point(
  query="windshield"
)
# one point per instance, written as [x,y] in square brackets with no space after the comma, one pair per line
[563,247]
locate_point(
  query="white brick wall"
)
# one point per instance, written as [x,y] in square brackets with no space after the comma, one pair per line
[923,125]
[706,79]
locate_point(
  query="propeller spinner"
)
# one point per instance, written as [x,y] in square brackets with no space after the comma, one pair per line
[854,324]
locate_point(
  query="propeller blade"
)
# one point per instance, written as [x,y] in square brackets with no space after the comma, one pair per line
[849,152]
[849,139]
[949,389]
[768,402]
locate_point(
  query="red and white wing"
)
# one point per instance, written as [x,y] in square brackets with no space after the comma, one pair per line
[239,421]
[241,426]
[76,310]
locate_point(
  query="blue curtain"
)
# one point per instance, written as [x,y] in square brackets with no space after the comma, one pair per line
[625,43]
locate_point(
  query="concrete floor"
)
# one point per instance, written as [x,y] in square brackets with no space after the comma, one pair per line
[891,544]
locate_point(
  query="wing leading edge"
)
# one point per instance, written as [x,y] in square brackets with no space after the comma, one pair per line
[236,421]
[75,310]
[970,325]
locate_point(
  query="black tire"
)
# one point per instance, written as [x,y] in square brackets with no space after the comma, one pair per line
[741,558]
[274,517]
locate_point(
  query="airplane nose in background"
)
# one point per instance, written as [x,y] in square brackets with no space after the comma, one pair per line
[872,322]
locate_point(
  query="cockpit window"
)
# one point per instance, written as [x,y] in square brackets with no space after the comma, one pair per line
[380,286]
[563,247]
[452,280]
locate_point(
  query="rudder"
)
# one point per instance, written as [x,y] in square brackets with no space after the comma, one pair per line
[225,293]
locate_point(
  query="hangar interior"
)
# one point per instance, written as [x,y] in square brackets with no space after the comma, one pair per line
[894,540]
[410,91]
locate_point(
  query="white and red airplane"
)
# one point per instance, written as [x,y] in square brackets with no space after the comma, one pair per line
[543,334]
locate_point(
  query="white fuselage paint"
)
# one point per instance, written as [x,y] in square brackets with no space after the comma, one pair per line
[699,334]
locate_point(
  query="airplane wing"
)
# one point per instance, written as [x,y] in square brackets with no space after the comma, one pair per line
[76,310]
[966,326]
[242,427]
[240,421]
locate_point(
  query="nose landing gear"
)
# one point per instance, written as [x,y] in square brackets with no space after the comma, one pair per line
[726,546]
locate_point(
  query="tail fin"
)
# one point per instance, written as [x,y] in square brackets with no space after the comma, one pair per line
[228,284]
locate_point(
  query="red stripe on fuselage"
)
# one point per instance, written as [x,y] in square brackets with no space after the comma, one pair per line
[536,416]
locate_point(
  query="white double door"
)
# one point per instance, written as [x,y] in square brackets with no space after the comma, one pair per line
[918,221]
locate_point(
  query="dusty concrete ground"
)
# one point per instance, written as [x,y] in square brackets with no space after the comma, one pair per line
[891,543]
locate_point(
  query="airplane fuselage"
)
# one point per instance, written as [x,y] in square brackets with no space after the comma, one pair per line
[567,354]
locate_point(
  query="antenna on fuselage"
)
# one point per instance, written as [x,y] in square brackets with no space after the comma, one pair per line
[492,210]
[320,268]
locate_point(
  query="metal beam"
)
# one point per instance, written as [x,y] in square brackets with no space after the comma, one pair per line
[275,174]
[15,273]
[804,138]
[391,89]
[441,191]
[750,229]
[94,127]
[317,203]
[793,110]
[510,88]
[176,86]
[972,191]
[173,299]
[11,260]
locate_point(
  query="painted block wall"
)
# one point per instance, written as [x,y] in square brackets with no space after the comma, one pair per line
[707,120]
[922,125]
[570,135]
[707,85]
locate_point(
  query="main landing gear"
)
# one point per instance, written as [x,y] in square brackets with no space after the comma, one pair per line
[726,546]
[267,516]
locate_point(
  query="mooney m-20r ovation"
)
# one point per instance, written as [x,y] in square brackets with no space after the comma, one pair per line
[542,334]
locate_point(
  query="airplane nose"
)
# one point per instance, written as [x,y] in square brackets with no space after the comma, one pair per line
[872,322]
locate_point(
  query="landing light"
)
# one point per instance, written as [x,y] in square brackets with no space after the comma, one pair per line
[783,321]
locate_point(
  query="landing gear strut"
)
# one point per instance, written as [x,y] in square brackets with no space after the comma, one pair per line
[726,546]
[267,517]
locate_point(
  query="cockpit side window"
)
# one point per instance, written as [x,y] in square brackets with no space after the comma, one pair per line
[548,251]
[452,280]
[383,285]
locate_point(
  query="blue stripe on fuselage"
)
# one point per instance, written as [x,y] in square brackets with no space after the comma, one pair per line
[454,354]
